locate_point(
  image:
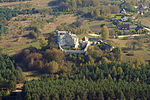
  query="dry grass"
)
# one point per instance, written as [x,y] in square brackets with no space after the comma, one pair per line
[30,75]
[15,49]
[39,4]
[146,21]
[13,42]
[68,19]
[13,3]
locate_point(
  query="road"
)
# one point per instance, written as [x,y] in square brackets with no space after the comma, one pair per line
[94,35]
[122,36]
[148,29]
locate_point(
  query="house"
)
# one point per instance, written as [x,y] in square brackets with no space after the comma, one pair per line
[106,46]
[138,28]
[123,27]
[123,11]
[84,42]
[141,7]
[133,26]
[141,13]
[124,19]
[65,38]
[85,39]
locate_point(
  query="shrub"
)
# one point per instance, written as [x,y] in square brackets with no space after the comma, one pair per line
[101,18]
[52,67]
[33,35]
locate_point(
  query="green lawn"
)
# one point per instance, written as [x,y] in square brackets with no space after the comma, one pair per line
[15,49]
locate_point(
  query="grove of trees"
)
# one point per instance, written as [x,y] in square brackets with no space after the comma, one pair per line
[9,76]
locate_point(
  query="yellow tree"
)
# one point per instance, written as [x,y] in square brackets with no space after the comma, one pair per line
[74,4]
[105,33]
[96,2]
[120,70]
[97,12]
[43,42]
[52,67]
[54,54]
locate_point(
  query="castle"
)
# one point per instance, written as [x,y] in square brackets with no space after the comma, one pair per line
[65,38]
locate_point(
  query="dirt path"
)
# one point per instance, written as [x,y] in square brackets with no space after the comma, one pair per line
[18,87]
[122,36]
[94,35]
[147,30]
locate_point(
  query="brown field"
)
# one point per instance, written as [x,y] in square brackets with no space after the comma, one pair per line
[146,21]
[13,3]
[39,4]
[96,28]
[14,42]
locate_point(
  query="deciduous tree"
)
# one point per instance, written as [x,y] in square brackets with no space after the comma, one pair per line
[105,33]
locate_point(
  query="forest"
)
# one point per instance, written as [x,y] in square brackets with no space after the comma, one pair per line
[85,90]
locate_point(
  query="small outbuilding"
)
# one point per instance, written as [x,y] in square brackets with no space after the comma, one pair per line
[85,39]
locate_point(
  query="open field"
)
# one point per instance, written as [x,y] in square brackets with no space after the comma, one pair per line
[15,49]
[146,21]
[14,42]
[33,3]
[14,3]
[143,53]
[30,75]
[95,25]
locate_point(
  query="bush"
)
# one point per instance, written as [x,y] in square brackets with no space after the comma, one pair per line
[101,18]
[52,67]
[33,35]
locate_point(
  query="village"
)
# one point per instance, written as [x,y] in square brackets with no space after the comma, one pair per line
[129,22]
[126,24]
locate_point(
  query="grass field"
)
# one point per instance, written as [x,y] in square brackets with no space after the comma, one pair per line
[143,53]
[15,49]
